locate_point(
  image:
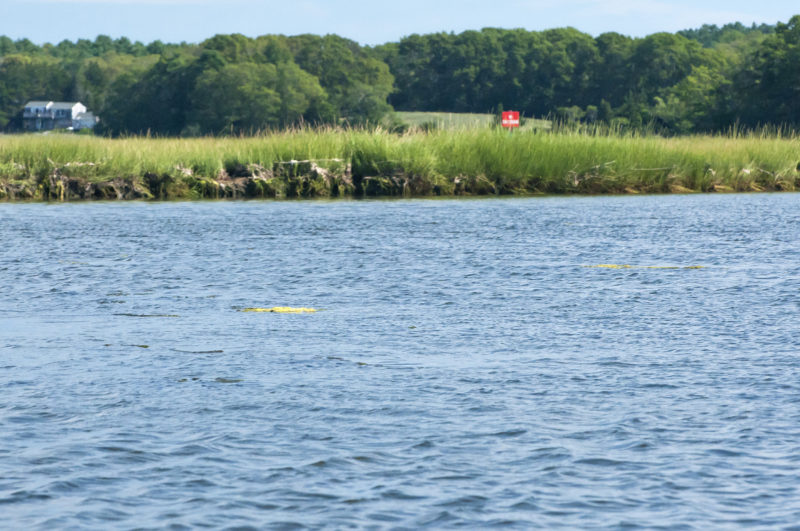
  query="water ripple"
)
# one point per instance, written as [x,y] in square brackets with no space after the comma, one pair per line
[468,369]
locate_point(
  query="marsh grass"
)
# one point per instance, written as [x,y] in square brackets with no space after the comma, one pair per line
[375,163]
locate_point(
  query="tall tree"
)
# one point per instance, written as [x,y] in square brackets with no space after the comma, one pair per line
[769,83]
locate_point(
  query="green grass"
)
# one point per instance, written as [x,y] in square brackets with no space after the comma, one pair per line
[356,163]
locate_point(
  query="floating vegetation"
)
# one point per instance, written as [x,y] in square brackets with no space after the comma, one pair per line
[227,380]
[198,351]
[626,266]
[279,309]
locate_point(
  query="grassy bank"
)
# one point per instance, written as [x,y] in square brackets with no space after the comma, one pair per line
[359,163]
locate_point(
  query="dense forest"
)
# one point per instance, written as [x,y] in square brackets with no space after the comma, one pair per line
[706,79]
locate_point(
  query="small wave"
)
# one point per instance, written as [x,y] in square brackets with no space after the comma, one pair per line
[526,506]
[441,518]
[24,496]
[331,462]
[191,449]
[599,461]
[626,266]
[227,380]
[384,517]
[505,433]
[395,494]
[464,501]
[279,309]
[63,486]
[722,452]
[147,315]
[294,495]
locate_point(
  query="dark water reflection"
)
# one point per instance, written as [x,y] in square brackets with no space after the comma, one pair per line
[467,369]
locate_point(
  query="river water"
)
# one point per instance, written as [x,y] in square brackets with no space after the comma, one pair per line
[466,367]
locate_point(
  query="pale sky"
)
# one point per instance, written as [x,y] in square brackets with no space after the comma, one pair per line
[365,21]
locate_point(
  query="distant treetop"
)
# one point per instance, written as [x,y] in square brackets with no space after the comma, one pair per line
[709,35]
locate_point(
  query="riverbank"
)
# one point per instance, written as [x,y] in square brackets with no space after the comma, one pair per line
[337,163]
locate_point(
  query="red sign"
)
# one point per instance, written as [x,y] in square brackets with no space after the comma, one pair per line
[510,118]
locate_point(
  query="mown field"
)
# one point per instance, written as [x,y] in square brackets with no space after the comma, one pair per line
[457,121]
[351,163]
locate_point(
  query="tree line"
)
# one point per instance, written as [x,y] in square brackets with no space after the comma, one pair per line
[706,79]
[227,84]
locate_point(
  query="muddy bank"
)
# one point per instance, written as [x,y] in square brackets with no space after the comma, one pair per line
[285,179]
[338,178]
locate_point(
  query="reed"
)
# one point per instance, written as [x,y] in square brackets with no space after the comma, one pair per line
[344,162]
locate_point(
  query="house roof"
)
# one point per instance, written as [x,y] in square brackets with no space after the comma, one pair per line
[65,104]
[54,104]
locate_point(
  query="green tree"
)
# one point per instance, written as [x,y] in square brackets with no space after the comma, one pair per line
[693,104]
[614,76]
[153,101]
[769,82]
[6,46]
[24,78]
[248,97]
[357,83]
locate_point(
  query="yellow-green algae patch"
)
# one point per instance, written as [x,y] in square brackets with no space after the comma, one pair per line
[626,266]
[279,309]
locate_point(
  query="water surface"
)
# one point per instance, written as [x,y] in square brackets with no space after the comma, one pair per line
[466,367]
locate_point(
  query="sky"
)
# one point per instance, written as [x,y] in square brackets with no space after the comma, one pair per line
[365,21]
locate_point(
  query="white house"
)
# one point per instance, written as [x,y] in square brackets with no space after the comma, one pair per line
[49,115]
